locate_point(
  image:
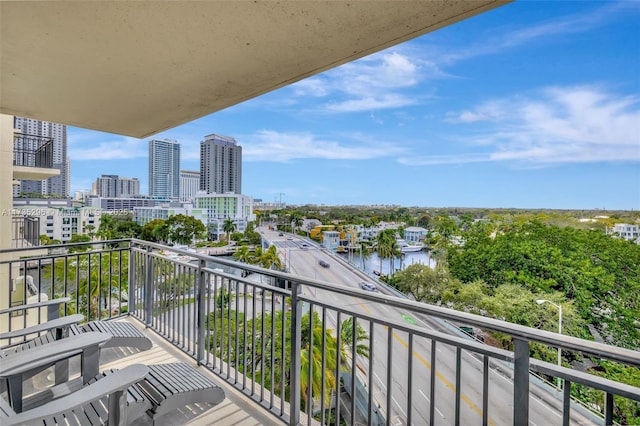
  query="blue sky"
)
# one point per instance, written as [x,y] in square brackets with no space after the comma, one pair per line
[535,104]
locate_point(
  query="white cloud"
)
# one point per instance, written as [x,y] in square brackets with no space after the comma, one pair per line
[91,145]
[487,111]
[380,81]
[385,101]
[312,86]
[560,125]
[274,146]
[433,160]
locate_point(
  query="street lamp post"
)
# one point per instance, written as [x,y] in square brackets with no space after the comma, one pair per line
[559,307]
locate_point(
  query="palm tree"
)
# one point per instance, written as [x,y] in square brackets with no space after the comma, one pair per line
[346,337]
[270,259]
[385,240]
[106,227]
[297,222]
[394,251]
[365,252]
[243,254]
[228,227]
[312,354]
[90,228]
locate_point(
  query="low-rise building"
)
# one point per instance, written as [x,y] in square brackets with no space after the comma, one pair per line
[220,207]
[415,234]
[61,223]
[627,231]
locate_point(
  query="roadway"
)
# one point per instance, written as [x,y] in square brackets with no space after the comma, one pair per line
[305,262]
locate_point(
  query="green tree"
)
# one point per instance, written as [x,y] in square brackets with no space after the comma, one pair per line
[228,227]
[347,333]
[385,241]
[270,259]
[422,283]
[243,254]
[297,221]
[107,227]
[184,229]
[79,238]
[150,231]
[90,231]
[597,272]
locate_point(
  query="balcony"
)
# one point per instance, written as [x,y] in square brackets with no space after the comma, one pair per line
[33,157]
[25,231]
[364,357]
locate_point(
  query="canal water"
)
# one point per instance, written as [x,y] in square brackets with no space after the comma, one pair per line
[371,263]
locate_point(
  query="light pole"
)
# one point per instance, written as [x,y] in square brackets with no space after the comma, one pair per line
[559,307]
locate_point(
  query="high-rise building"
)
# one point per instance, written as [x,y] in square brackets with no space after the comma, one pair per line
[189,184]
[164,168]
[56,185]
[117,186]
[220,165]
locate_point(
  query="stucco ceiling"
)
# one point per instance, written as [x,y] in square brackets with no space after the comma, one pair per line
[137,68]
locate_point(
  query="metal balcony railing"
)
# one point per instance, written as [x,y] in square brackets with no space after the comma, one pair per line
[312,352]
[25,232]
[32,151]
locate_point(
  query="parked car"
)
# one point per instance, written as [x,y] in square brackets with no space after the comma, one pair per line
[368,286]
[323,264]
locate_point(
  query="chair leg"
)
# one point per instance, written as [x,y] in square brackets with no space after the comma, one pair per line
[15,392]
[61,372]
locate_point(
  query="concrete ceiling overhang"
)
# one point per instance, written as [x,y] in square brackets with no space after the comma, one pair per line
[137,68]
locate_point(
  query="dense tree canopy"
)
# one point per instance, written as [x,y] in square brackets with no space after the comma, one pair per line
[600,274]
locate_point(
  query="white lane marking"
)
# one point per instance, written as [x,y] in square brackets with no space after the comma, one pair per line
[399,407]
[428,400]
[547,406]
[380,380]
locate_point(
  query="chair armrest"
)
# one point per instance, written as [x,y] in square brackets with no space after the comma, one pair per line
[62,322]
[42,304]
[112,383]
[50,353]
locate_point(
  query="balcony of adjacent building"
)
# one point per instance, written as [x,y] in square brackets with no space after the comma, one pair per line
[33,157]
[293,350]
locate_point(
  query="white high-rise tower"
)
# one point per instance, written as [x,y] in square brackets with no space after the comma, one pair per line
[220,165]
[164,168]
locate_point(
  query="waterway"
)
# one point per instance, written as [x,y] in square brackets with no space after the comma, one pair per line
[372,262]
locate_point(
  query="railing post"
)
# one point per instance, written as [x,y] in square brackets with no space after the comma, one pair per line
[132,276]
[521,382]
[296,347]
[148,287]
[200,313]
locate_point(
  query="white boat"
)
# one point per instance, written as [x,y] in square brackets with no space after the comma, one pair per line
[406,247]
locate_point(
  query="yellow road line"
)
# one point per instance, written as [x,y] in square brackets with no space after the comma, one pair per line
[443,379]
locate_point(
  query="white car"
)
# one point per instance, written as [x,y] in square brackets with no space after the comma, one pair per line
[368,286]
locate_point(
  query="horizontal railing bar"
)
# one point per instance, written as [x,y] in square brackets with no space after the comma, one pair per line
[593,381]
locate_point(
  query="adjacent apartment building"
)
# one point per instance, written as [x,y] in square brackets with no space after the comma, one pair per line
[164,168]
[57,185]
[220,165]
[189,185]
[116,186]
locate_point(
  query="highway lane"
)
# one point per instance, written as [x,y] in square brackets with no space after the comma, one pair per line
[304,262]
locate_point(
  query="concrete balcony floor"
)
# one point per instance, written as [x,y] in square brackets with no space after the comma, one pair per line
[236,409]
